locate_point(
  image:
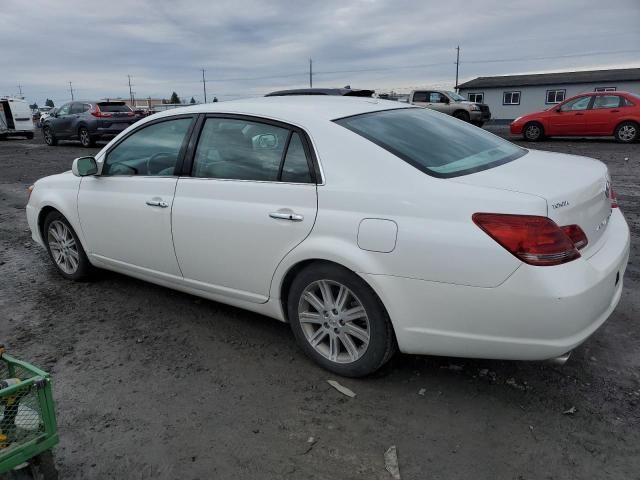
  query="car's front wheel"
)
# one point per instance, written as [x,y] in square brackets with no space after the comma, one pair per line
[64,248]
[49,137]
[86,139]
[339,321]
[533,132]
[627,132]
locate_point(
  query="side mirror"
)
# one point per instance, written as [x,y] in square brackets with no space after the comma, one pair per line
[84,167]
[267,141]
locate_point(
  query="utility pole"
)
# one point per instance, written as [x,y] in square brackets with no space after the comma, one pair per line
[457,65]
[310,73]
[20,90]
[204,86]
[133,104]
[71,90]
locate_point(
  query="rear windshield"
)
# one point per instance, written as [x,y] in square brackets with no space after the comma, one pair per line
[436,144]
[114,107]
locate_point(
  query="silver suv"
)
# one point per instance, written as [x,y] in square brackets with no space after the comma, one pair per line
[452,103]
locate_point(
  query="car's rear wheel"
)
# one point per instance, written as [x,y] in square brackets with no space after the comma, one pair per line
[29,136]
[462,115]
[49,137]
[533,132]
[64,248]
[339,321]
[85,138]
[627,132]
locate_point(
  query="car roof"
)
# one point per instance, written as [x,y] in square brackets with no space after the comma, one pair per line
[297,109]
[347,92]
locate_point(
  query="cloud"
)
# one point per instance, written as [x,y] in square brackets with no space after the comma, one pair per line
[399,44]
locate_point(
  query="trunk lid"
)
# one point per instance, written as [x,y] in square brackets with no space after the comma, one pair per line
[575,188]
[119,114]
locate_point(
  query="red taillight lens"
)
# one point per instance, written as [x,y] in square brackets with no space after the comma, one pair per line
[534,240]
[613,197]
[96,112]
[577,236]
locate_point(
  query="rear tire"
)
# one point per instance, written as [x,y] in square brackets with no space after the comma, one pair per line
[65,249]
[533,132]
[627,132]
[348,333]
[462,115]
[49,137]
[86,139]
[29,136]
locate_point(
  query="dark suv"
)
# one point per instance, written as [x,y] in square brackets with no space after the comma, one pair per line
[87,121]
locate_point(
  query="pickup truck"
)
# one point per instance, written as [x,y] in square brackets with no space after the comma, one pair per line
[453,104]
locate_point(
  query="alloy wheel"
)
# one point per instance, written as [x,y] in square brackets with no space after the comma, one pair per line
[334,321]
[48,137]
[533,132]
[627,133]
[63,247]
[84,138]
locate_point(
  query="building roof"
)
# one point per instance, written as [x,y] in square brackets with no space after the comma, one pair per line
[590,76]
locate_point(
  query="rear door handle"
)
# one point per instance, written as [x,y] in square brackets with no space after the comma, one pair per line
[294,217]
[579,113]
[615,111]
[157,203]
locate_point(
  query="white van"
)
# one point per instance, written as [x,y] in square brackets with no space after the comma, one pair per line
[15,118]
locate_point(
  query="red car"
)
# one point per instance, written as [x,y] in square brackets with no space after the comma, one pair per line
[587,114]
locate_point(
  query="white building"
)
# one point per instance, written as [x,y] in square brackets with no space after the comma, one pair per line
[510,96]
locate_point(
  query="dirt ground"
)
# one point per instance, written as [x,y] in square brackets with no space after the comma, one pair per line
[156,384]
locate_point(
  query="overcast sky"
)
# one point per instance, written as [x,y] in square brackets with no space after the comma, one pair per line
[250,47]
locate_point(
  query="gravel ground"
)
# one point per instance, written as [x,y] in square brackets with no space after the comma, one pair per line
[154,384]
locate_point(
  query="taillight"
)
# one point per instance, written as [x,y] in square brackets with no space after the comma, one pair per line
[96,112]
[613,196]
[534,240]
[577,235]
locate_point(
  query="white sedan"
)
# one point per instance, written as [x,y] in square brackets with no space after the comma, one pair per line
[367,225]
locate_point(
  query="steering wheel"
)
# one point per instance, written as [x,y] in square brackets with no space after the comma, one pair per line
[154,157]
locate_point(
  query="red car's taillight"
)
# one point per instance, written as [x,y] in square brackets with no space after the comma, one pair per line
[534,240]
[613,197]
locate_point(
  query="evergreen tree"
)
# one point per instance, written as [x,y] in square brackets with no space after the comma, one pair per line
[49,103]
[174,98]
[215,99]
[193,100]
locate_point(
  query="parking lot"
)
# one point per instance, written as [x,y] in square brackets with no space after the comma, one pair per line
[153,383]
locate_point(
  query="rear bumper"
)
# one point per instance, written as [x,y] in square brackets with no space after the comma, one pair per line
[537,313]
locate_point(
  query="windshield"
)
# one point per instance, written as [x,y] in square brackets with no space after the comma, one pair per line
[456,97]
[436,144]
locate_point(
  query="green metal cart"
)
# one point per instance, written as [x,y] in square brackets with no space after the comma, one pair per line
[27,420]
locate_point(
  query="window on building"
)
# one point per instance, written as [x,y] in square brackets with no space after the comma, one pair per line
[555,96]
[604,89]
[511,98]
[476,97]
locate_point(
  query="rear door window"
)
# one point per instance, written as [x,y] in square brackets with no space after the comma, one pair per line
[76,108]
[606,101]
[420,96]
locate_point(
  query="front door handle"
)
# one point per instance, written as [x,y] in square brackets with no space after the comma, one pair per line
[579,113]
[157,203]
[615,111]
[294,217]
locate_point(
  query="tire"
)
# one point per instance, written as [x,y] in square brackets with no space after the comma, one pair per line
[86,139]
[45,466]
[49,137]
[462,115]
[533,132]
[627,132]
[352,347]
[68,256]
[29,136]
